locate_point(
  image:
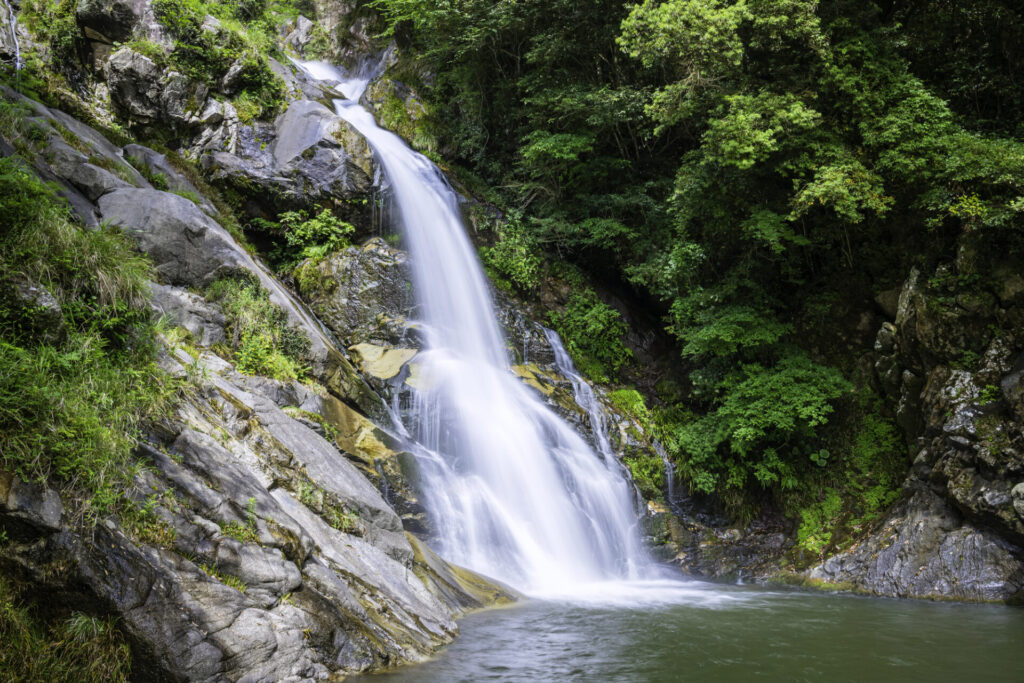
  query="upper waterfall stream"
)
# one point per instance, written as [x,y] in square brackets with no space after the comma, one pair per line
[514,492]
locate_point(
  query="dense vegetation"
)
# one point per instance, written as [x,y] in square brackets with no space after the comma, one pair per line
[77,346]
[755,170]
[72,647]
[228,53]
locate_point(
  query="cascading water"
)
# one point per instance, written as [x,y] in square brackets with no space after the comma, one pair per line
[12,27]
[513,491]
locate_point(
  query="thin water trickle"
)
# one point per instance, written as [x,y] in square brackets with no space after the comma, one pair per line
[12,26]
[513,491]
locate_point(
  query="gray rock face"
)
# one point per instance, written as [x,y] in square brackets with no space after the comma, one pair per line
[133,80]
[925,550]
[242,571]
[364,294]
[204,322]
[309,155]
[107,21]
[40,307]
[83,170]
[176,182]
[145,94]
[189,248]
[29,508]
[301,35]
[186,245]
[960,534]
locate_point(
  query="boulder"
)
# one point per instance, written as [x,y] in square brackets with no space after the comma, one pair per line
[187,247]
[925,550]
[363,294]
[308,155]
[134,83]
[158,163]
[108,22]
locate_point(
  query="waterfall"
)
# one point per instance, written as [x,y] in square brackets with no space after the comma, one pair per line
[12,27]
[513,491]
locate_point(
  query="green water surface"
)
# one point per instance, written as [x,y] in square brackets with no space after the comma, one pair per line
[702,632]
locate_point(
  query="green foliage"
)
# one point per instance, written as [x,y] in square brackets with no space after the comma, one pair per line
[816,522]
[78,374]
[54,22]
[990,393]
[763,418]
[853,482]
[320,502]
[244,38]
[631,402]
[515,255]
[247,532]
[262,342]
[142,522]
[229,580]
[73,648]
[410,120]
[299,237]
[738,162]
[316,236]
[156,179]
[648,472]
[592,332]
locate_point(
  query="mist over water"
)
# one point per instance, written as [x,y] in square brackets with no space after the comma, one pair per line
[513,491]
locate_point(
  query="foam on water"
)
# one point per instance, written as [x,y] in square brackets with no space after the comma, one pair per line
[513,491]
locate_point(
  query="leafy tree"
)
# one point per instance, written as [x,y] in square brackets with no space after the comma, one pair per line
[736,162]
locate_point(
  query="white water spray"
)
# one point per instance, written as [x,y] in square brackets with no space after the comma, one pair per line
[513,491]
[12,27]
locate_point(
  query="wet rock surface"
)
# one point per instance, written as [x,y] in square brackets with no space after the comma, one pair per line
[307,155]
[261,546]
[952,367]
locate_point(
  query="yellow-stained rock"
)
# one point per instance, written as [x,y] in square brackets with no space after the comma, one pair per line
[382,362]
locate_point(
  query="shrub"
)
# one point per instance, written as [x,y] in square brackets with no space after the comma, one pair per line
[207,55]
[648,474]
[592,331]
[299,237]
[76,378]
[76,648]
[261,340]
[514,255]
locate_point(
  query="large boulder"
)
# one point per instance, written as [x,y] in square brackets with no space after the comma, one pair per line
[187,246]
[926,550]
[134,83]
[107,21]
[308,155]
[364,294]
[147,94]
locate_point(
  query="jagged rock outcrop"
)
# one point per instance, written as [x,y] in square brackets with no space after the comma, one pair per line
[107,21]
[146,94]
[259,553]
[307,155]
[350,26]
[364,294]
[952,364]
[261,547]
